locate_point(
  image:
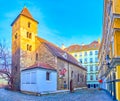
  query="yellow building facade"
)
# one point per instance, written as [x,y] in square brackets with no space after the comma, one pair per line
[23,43]
[109,52]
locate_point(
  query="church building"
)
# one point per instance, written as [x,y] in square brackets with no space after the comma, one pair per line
[29,50]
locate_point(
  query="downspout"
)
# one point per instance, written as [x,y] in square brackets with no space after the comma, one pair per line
[68,76]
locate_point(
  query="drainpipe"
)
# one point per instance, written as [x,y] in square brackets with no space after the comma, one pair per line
[68,75]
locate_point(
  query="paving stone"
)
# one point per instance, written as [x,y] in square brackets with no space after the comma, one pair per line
[79,95]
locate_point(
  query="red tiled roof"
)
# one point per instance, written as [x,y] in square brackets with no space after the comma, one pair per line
[60,53]
[77,48]
[40,65]
[25,12]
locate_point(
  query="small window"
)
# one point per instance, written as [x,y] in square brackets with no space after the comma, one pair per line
[16,36]
[71,74]
[27,78]
[96,59]
[78,78]
[91,53]
[75,55]
[85,54]
[27,34]
[33,78]
[91,68]
[29,24]
[30,35]
[85,60]
[96,77]
[16,68]
[36,56]
[91,60]
[27,47]
[91,77]
[47,75]
[30,48]
[96,52]
[80,54]
[96,68]
[80,60]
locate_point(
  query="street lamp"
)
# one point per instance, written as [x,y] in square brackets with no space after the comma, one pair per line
[108,60]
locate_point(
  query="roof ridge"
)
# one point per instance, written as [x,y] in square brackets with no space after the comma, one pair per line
[26,12]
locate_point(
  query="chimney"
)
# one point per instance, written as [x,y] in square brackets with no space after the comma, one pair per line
[99,40]
[83,44]
[63,47]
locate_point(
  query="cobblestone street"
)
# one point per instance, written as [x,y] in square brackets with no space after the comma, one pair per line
[80,95]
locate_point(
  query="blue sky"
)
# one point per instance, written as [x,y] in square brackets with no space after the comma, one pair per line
[60,21]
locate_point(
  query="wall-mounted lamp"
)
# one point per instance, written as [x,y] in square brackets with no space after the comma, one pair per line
[108,60]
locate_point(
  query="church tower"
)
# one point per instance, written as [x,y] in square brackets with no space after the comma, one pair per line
[24,31]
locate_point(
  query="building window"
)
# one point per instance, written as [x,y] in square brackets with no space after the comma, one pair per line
[91,68]
[29,47]
[85,54]
[80,54]
[16,36]
[96,68]
[27,78]
[78,78]
[96,77]
[85,60]
[91,60]
[96,59]
[75,55]
[36,56]
[16,68]
[29,24]
[96,52]
[91,53]
[29,35]
[47,75]
[72,74]
[33,78]
[80,60]
[91,77]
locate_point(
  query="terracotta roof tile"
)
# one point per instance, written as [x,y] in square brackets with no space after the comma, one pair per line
[26,13]
[60,53]
[40,65]
[78,48]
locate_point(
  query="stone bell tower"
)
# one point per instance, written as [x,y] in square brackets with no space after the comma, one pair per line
[24,30]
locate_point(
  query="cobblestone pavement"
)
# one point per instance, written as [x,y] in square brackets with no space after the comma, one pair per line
[79,95]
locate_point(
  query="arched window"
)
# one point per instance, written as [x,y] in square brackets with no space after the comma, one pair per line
[27,47]
[47,75]
[29,24]
[78,77]
[71,74]
[36,56]
[27,34]
[16,36]
[30,35]
[30,48]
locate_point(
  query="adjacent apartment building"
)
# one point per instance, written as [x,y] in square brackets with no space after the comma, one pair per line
[30,50]
[87,55]
[109,52]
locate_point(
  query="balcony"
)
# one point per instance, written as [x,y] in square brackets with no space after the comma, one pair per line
[115,62]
